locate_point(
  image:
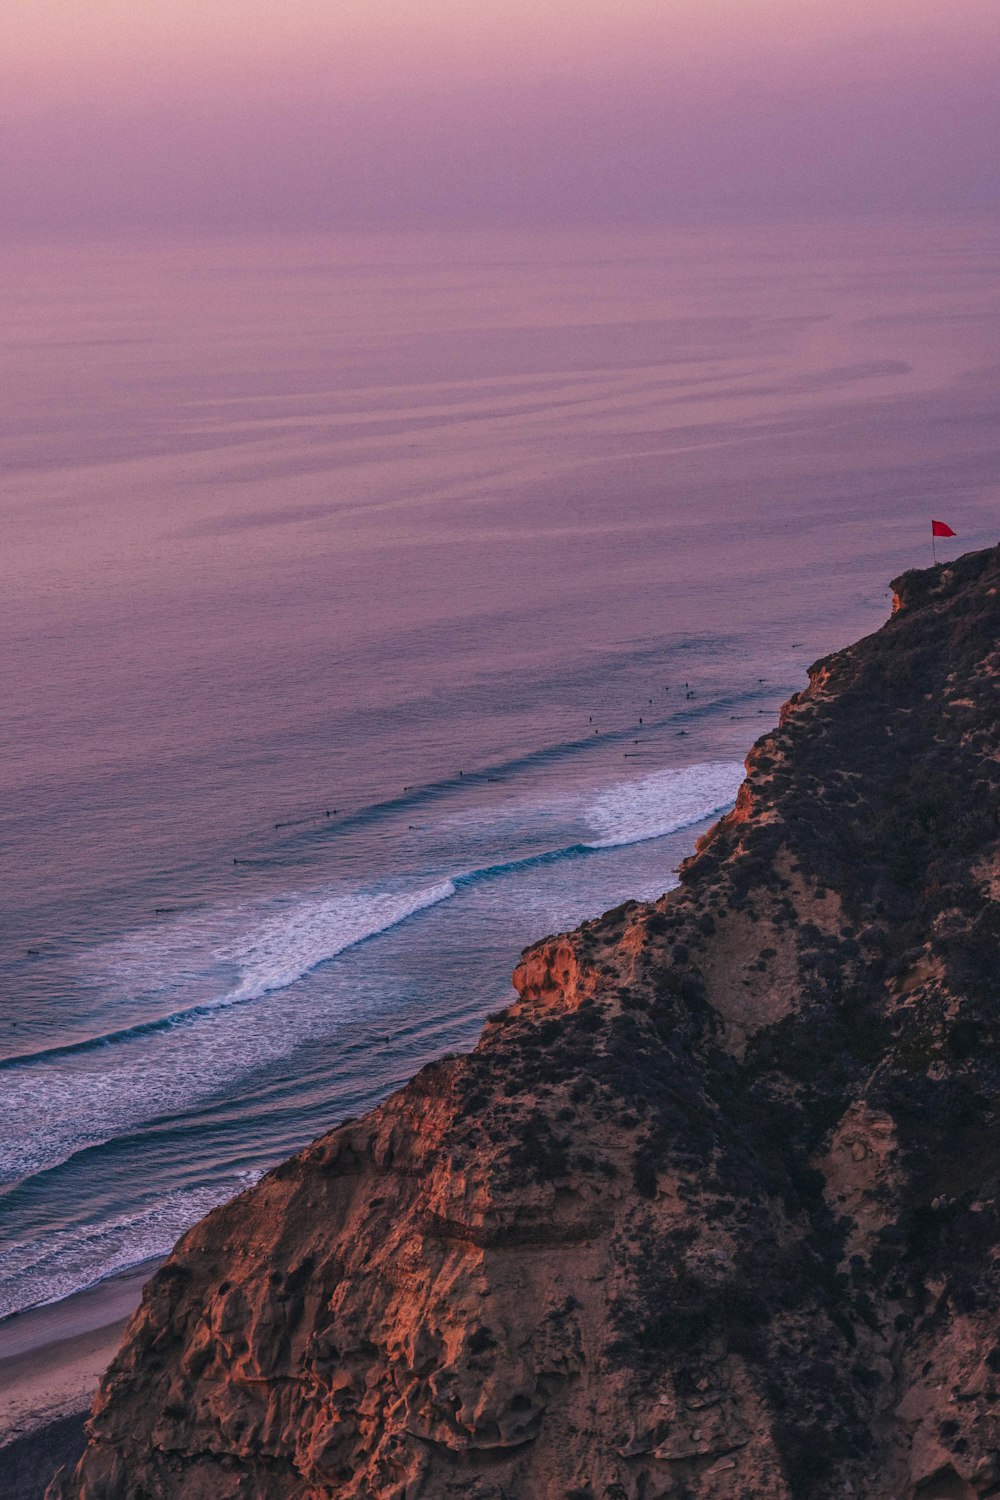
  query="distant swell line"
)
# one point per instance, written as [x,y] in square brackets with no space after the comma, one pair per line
[431,791]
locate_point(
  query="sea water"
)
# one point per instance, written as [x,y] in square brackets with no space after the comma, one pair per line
[373,607]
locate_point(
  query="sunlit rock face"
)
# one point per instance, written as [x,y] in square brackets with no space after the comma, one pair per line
[711,1211]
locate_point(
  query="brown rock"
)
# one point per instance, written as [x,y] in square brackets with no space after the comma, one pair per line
[711,1212]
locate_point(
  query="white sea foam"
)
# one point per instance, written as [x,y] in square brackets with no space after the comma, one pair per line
[199,968]
[217,961]
[34,1272]
[282,948]
[652,806]
[231,954]
[630,811]
[199,972]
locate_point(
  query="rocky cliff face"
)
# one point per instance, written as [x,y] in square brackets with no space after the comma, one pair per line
[711,1211]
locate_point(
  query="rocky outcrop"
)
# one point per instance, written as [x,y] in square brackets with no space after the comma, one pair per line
[712,1210]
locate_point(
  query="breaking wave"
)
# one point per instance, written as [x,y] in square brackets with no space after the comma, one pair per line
[201,967]
[36,1272]
[265,947]
[664,802]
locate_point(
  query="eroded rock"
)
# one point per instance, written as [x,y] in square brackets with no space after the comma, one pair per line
[710,1213]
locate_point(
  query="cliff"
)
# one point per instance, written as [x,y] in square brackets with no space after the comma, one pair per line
[710,1212]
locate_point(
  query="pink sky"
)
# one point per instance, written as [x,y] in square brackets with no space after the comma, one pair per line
[222,113]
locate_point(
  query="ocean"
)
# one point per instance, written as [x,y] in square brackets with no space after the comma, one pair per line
[372,607]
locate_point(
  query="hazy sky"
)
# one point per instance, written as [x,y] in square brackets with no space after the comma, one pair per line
[296,113]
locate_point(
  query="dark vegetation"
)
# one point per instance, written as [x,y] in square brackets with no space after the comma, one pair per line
[887,796]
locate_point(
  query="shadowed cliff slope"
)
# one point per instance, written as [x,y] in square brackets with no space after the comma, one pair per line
[711,1212]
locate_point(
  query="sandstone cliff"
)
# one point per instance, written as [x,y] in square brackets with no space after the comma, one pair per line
[711,1212]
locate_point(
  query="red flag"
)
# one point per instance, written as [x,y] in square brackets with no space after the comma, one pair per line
[941,528]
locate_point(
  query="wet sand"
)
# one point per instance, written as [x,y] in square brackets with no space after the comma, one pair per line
[51,1360]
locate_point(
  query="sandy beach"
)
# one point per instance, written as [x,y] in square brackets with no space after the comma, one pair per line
[51,1360]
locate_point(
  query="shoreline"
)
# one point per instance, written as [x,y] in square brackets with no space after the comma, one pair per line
[52,1357]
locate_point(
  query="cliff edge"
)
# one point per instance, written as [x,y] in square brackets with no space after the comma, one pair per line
[710,1213]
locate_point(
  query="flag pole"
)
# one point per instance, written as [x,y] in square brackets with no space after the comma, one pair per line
[933,545]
